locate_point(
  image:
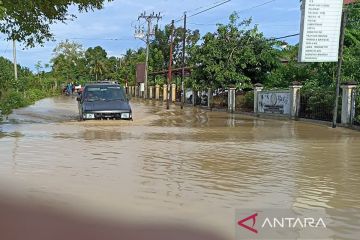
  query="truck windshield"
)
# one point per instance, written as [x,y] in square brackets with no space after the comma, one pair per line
[104,93]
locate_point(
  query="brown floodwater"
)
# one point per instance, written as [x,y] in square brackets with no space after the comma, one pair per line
[191,165]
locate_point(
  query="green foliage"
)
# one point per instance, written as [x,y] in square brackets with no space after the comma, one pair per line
[96,59]
[249,100]
[29,21]
[26,90]
[68,60]
[127,71]
[12,100]
[32,95]
[357,109]
[235,54]
[160,80]
[160,47]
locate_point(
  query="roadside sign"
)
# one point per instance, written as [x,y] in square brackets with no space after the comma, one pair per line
[140,72]
[320,30]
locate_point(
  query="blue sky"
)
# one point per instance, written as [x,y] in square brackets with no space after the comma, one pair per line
[275,18]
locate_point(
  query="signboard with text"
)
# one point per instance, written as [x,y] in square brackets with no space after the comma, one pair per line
[275,102]
[320,30]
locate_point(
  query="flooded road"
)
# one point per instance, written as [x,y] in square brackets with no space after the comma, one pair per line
[190,166]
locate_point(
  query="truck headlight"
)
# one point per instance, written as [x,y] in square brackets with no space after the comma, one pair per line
[89,116]
[125,115]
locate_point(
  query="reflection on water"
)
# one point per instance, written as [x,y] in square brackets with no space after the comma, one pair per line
[190,165]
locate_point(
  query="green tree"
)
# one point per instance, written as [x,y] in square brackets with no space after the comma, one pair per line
[29,21]
[66,58]
[160,47]
[96,59]
[112,66]
[127,70]
[235,54]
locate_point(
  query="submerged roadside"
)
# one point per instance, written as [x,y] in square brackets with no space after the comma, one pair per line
[278,117]
[14,99]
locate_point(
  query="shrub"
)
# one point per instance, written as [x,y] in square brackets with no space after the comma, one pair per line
[12,100]
[245,101]
[249,100]
[318,104]
[220,101]
[32,95]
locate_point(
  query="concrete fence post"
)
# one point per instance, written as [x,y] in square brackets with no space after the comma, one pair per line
[151,92]
[173,92]
[194,97]
[157,92]
[257,88]
[232,99]
[141,90]
[165,92]
[137,91]
[347,111]
[295,99]
[210,96]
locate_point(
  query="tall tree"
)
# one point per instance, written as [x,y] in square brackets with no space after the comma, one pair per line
[235,54]
[66,58]
[96,59]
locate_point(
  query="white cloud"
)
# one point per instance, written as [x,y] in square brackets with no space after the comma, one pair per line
[115,20]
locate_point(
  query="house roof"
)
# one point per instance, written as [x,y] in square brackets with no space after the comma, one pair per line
[349,1]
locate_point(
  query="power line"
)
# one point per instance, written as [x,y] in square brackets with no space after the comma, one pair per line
[257,6]
[210,8]
[287,36]
[259,24]
[141,34]
[217,4]
[243,10]
[102,39]
[196,9]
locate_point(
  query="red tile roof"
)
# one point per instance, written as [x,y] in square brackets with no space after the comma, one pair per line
[349,1]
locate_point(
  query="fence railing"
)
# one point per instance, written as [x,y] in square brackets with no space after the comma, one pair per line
[356,107]
[318,106]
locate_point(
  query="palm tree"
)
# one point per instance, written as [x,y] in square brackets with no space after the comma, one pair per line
[97,67]
[97,59]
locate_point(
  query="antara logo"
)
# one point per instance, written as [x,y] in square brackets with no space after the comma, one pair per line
[285,222]
[252,229]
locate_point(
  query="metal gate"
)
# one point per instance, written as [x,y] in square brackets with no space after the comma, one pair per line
[318,105]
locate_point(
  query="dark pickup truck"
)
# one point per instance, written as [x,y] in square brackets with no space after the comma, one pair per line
[104,101]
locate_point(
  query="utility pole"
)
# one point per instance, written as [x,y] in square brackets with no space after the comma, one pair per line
[15,63]
[183,64]
[339,66]
[149,32]
[170,64]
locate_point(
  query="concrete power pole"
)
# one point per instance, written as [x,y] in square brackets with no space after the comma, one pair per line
[339,66]
[15,63]
[170,64]
[146,37]
[183,65]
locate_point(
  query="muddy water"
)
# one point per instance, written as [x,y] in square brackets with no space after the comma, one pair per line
[188,166]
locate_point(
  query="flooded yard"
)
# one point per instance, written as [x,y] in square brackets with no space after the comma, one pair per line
[191,165]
